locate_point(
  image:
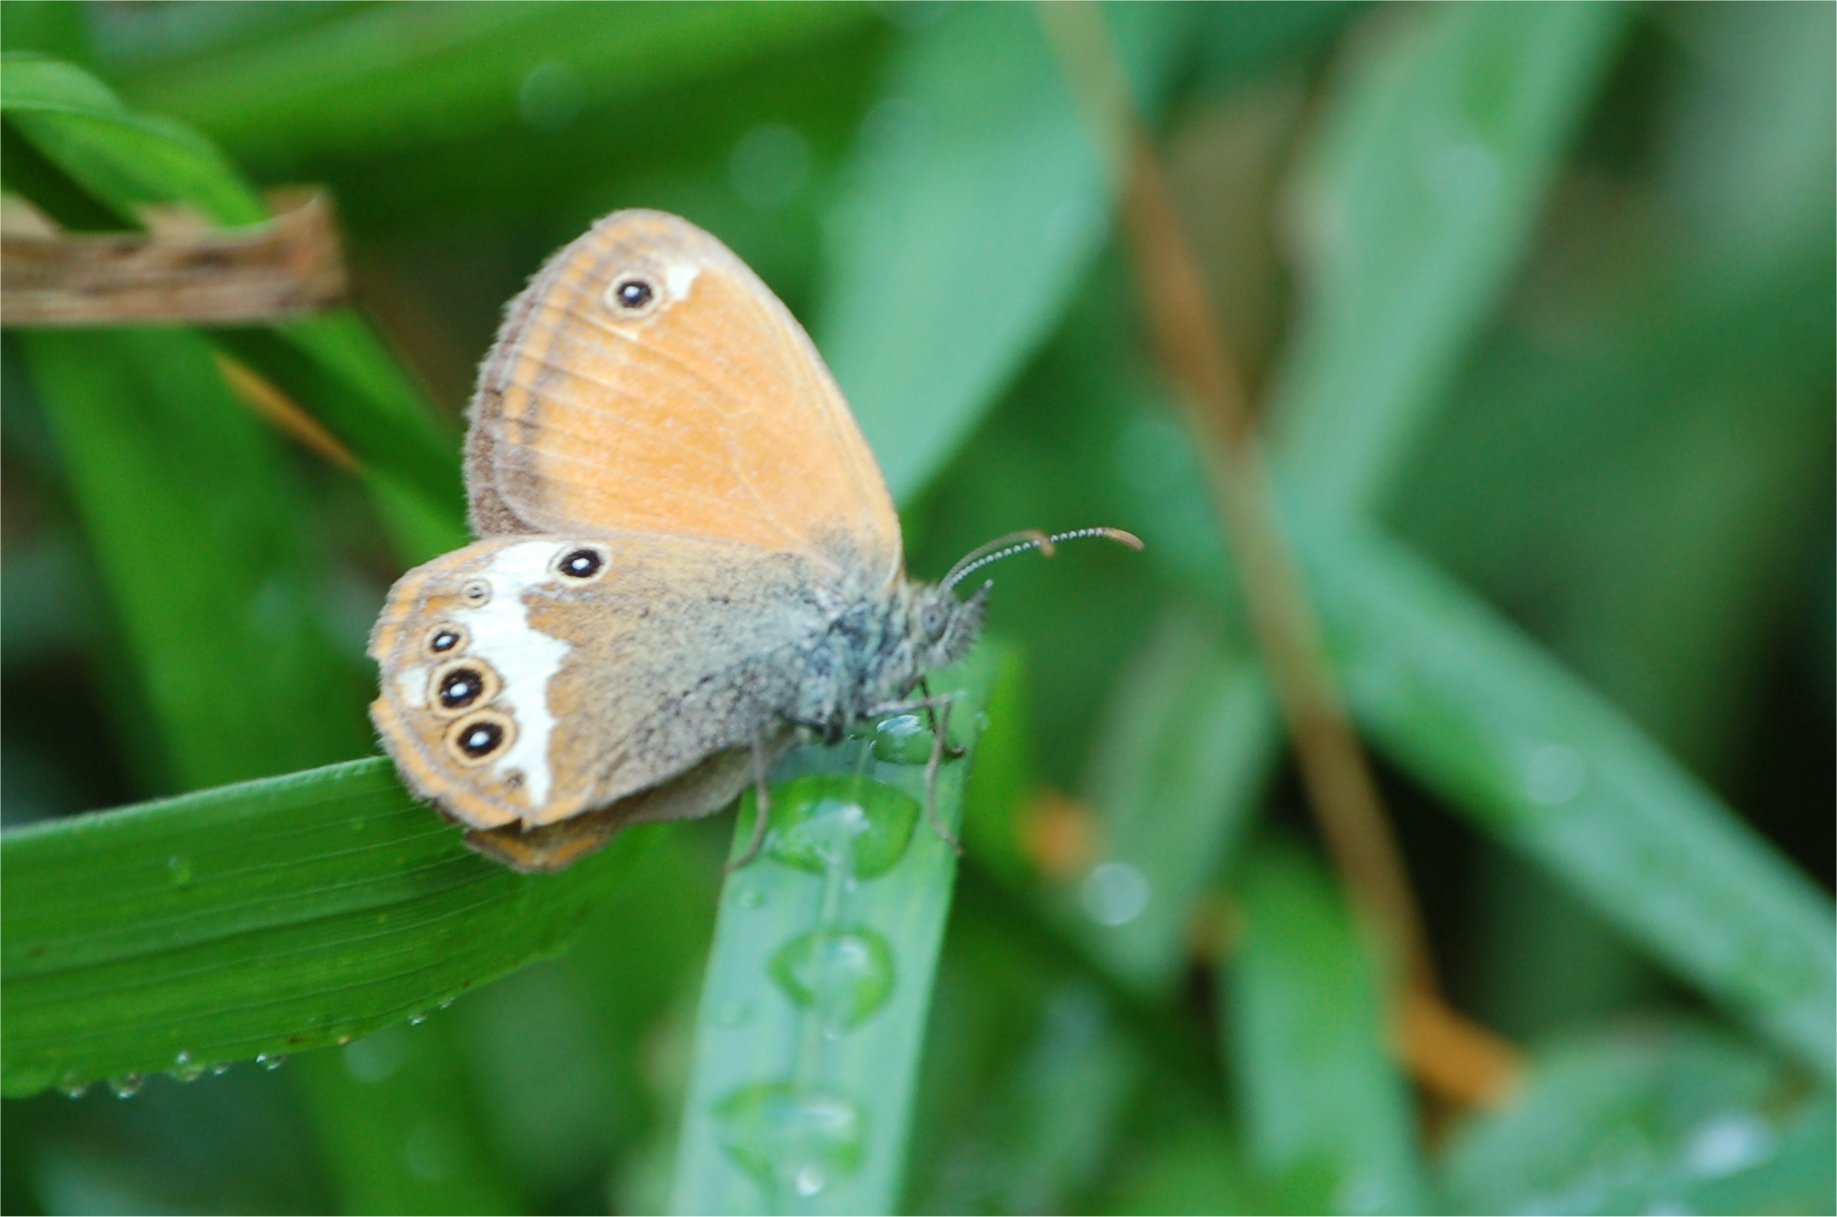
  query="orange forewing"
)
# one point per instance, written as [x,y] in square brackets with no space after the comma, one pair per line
[707,413]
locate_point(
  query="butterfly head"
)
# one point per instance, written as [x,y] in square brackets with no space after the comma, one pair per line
[943,627]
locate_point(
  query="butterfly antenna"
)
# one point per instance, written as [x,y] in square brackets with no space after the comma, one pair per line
[1021,542]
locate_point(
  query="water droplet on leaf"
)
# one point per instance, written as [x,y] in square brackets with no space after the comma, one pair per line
[842,975]
[843,822]
[791,1139]
[904,739]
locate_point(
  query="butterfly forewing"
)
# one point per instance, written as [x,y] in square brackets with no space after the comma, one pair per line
[647,381]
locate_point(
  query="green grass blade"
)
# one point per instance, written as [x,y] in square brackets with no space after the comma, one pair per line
[377,78]
[116,153]
[1534,757]
[1176,769]
[1361,373]
[262,918]
[1328,1121]
[968,224]
[89,162]
[1653,1118]
[820,979]
[1404,255]
[193,517]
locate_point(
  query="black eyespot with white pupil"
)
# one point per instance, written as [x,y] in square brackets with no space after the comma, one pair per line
[581,563]
[480,739]
[633,293]
[461,687]
[443,640]
[476,591]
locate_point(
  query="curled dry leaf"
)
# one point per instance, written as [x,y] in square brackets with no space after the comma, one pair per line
[176,273]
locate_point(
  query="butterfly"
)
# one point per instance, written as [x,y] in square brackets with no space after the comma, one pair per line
[688,560]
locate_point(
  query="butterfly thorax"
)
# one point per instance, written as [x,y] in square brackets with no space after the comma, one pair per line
[874,652]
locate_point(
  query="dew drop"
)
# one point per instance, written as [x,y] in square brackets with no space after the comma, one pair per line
[1114,893]
[904,739]
[749,898]
[73,1087]
[270,1060]
[842,975]
[185,1069]
[417,1018]
[178,870]
[827,822]
[787,1138]
[219,1069]
[126,1085]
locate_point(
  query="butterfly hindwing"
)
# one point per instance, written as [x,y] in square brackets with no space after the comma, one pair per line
[533,678]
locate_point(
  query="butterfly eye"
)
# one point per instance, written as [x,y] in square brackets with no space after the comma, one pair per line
[632,294]
[583,563]
[477,739]
[933,621]
[446,638]
[458,686]
[476,592]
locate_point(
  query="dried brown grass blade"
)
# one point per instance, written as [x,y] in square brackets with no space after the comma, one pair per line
[175,274]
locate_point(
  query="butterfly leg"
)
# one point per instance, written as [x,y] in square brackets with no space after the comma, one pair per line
[762,811]
[937,727]
[939,709]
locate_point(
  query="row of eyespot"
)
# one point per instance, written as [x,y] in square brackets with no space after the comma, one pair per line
[461,684]
[458,686]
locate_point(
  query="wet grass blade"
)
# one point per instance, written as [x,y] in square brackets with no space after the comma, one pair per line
[1177,769]
[819,983]
[1404,255]
[1363,370]
[1328,1120]
[1535,758]
[1720,1126]
[262,918]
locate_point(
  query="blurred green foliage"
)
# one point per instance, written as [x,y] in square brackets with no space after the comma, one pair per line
[1540,303]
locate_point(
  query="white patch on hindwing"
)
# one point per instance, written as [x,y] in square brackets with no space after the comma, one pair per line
[411,686]
[523,656]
